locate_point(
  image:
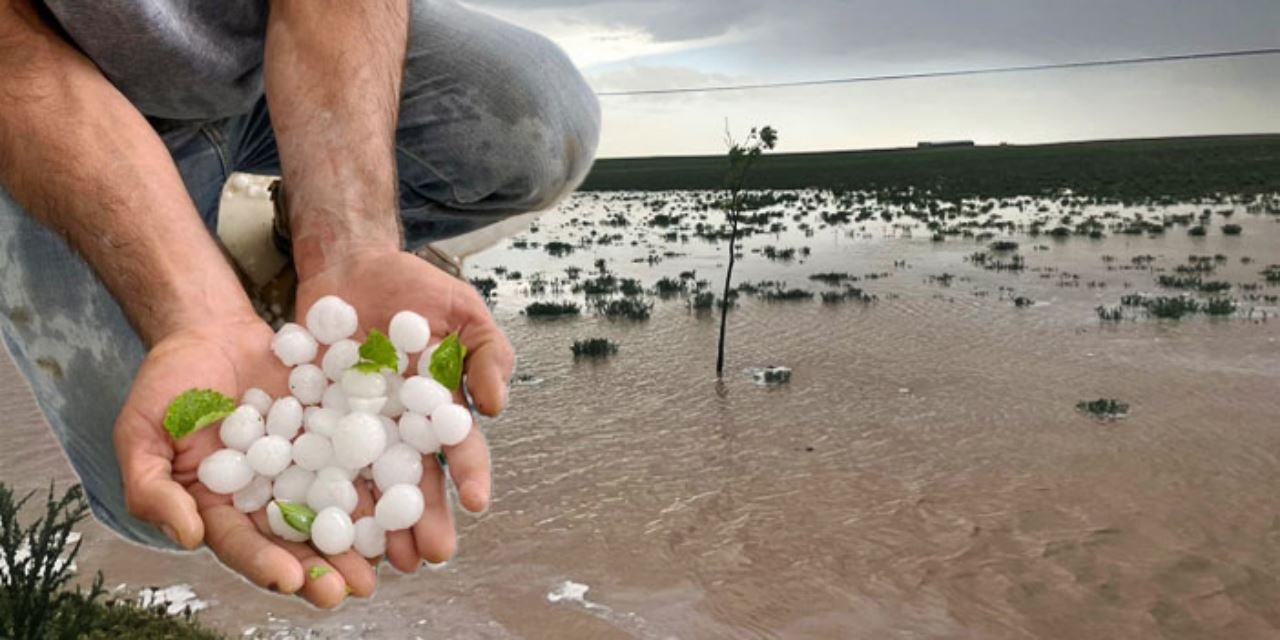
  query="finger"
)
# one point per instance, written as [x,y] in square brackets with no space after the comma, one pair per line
[359,575]
[240,545]
[401,551]
[324,585]
[490,361]
[468,463]
[149,490]
[433,534]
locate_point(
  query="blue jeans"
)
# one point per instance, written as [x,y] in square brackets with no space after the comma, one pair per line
[494,121]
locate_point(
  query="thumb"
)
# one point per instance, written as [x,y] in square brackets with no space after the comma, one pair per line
[150,492]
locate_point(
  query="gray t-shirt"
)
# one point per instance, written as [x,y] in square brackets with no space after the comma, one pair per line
[179,59]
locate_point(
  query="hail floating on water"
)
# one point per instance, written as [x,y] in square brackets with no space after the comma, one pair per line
[307,456]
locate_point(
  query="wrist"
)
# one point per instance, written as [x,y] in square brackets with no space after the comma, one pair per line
[195,307]
[322,239]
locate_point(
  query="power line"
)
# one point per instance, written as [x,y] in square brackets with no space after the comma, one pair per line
[948,74]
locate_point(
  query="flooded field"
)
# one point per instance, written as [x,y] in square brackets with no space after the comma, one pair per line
[924,474]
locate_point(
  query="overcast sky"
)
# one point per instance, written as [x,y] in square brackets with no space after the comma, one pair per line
[649,44]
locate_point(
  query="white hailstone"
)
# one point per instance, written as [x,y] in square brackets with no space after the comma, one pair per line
[331,319]
[393,408]
[451,422]
[358,441]
[340,356]
[335,474]
[307,383]
[312,451]
[422,394]
[400,464]
[323,421]
[332,531]
[399,508]
[253,497]
[240,429]
[371,540]
[402,362]
[392,430]
[367,473]
[417,432]
[308,412]
[409,331]
[424,360]
[292,484]
[275,519]
[285,418]
[258,399]
[332,493]
[334,398]
[226,471]
[293,345]
[371,406]
[358,384]
[270,456]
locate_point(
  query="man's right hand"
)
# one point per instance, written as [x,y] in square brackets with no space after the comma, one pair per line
[160,474]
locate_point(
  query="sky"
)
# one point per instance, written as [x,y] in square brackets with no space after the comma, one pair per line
[625,45]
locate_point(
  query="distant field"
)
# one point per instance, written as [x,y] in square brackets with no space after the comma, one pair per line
[1126,169]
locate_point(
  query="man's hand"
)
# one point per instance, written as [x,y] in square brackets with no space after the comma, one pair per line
[380,283]
[160,474]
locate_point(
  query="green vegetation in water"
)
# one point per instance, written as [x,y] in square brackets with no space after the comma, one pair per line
[1104,408]
[446,362]
[486,286]
[786,295]
[377,353]
[35,603]
[850,294]
[552,309]
[594,348]
[1171,307]
[1220,306]
[1272,274]
[1232,229]
[558,249]
[1198,231]
[194,409]
[628,308]
[1109,314]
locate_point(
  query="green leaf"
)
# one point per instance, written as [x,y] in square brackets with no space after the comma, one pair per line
[317,571]
[446,362]
[377,353]
[196,408]
[298,516]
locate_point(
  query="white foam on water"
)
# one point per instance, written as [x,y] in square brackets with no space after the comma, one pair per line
[176,599]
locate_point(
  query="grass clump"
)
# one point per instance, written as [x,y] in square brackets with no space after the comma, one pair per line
[552,309]
[1104,408]
[625,308]
[786,295]
[1171,307]
[1220,306]
[1232,229]
[486,286]
[594,348]
[36,567]
[558,249]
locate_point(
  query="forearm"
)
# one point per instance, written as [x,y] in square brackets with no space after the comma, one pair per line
[333,72]
[79,158]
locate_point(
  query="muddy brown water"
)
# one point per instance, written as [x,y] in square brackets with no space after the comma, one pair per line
[925,474]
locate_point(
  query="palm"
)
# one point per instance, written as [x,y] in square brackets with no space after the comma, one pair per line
[229,359]
[380,284]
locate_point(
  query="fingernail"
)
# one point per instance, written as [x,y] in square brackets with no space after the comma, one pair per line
[173,535]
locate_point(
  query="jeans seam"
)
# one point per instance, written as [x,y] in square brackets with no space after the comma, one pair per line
[215,138]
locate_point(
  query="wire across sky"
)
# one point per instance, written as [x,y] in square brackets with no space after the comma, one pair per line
[1113,62]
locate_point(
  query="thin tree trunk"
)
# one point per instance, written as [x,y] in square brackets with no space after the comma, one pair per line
[728,280]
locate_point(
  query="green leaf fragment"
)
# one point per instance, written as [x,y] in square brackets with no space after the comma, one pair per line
[196,408]
[377,353]
[317,571]
[298,516]
[446,362]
